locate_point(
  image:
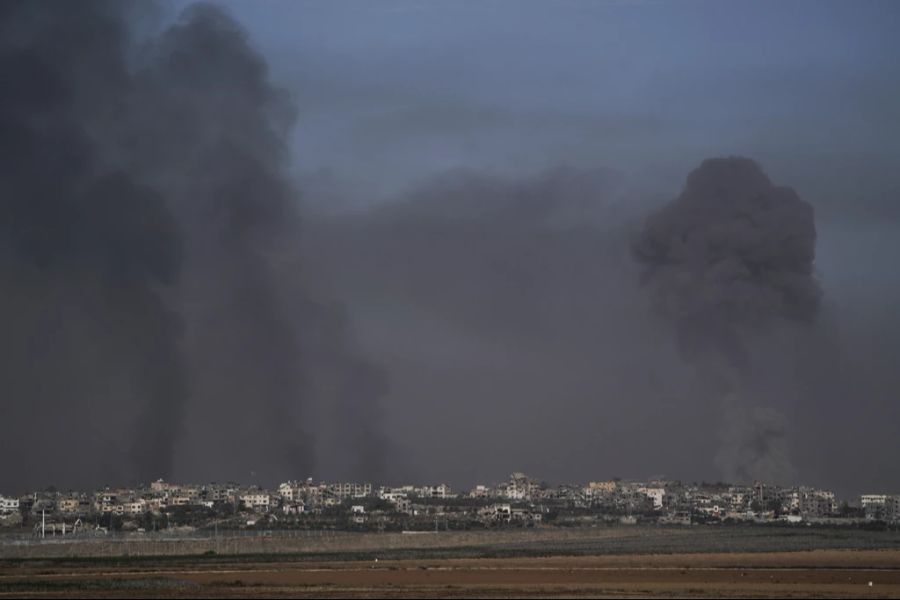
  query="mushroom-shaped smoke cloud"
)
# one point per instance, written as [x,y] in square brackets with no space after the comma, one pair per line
[733,254]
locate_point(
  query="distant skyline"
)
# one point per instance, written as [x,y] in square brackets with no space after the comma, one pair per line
[500,480]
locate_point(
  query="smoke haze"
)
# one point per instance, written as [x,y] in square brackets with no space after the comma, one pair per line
[154,287]
[394,241]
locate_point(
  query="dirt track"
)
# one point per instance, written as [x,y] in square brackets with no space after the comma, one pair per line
[824,573]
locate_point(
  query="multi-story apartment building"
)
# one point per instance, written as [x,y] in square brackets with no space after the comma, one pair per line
[518,487]
[258,501]
[350,490]
[881,507]
[815,503]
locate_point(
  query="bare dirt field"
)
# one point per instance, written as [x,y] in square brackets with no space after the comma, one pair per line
[814,574]
[607,563]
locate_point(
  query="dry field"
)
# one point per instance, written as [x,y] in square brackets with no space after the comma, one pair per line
[820,573]
[637,562]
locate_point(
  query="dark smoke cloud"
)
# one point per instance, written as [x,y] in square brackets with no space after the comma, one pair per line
[733,254]
[510,316]
[215,146]
[393,96]
[86,247]
[160,322]
[507,315]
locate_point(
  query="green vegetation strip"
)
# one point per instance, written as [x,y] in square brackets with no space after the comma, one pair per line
[641,541]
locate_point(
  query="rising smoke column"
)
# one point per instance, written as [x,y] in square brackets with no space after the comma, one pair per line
[149,258]
[89,347]
[213,137]
[267,359]
[733,254]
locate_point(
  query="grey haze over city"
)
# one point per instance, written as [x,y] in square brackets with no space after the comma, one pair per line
[395,241]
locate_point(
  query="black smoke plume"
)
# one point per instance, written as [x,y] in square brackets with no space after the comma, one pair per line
[157,319]
[86,246]
[506,313]
[731,257]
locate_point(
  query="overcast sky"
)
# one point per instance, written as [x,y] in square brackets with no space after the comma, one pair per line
[390,91]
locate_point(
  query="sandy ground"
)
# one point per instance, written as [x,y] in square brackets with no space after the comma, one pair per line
[813,574]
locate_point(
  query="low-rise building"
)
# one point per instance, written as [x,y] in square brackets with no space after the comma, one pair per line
[137,506]
[600,488]
[163,486]
[402,504]
[293,508]
[434,491]
[656,494]
[8,505]
[480,491]
[496,512]
[67,505]
[257,501]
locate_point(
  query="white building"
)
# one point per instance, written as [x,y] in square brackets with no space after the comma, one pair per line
[869,500]
[480,491]
[8,505]
[496,512]
[293,508]
[657,494]
[258,501]
[391,495]
[518,487]
[881,507]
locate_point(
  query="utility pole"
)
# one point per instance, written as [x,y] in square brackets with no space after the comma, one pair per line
[43,523]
